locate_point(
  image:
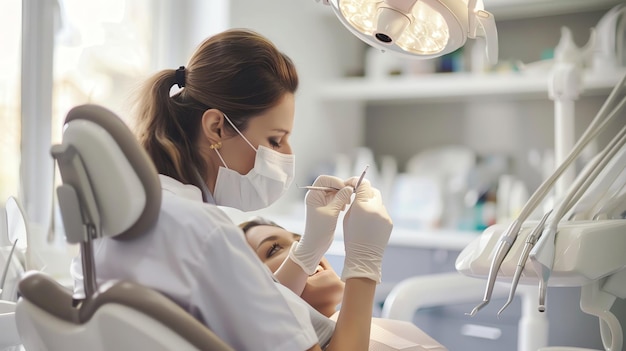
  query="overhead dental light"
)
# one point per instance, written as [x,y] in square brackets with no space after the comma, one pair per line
[418,28]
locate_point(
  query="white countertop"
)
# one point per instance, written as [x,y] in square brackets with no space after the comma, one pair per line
[426,239]
[446,239]
[438,238]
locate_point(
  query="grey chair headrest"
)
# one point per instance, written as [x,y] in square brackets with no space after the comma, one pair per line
[112,175]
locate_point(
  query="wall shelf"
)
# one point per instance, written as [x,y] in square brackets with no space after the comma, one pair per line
[456,86]
[516,9]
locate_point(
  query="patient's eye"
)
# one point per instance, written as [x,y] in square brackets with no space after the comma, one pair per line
[273,250]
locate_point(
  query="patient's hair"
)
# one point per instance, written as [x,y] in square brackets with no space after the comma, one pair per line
[257,221]
[238,72]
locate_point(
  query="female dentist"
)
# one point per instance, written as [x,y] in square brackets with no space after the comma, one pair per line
[223,139]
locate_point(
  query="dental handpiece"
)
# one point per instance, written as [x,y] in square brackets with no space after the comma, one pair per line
[531,239]
[504,245]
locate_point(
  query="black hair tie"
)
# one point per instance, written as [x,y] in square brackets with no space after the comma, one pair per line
[180,76]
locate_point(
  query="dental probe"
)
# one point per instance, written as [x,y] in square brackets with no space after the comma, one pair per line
[361,178]
[531,239]
[332,188]
[508,237]
[324,188]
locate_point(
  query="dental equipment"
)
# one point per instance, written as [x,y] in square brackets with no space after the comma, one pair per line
[615,208]
[509,236]
[99,153]
[361,178]
[607,185]
[418,29]
[324,188]
[332,188]
[5,271]
[542,255]
[586,178]
[531,239]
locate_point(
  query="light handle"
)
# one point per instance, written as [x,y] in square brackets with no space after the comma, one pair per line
[490,33]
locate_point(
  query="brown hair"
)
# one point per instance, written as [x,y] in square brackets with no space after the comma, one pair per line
[238,72]
[258,221]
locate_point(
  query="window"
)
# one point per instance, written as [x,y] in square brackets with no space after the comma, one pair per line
[10,42]
[102,49]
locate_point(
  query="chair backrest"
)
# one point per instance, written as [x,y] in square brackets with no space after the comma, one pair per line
[110,188]
[119,316]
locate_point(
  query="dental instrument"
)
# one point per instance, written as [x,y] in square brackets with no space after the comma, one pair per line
[361,178]
[542,255]
[531,239]
[332,188]
[509,236]
[324,188]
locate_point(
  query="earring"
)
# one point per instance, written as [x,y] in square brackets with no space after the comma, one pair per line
[216,146]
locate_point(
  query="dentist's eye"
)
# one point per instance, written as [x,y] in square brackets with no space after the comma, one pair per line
[275,144]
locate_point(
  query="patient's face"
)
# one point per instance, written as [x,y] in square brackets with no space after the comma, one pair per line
[323,290]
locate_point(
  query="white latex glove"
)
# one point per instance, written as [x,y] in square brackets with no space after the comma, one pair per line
[366,230]
[322,211]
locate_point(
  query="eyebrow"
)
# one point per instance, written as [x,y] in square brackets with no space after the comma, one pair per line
[269,238]
[281,130]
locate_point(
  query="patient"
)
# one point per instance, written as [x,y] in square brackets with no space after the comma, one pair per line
[271,242]
[324,289]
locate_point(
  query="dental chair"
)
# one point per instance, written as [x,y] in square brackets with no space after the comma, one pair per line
[110,188]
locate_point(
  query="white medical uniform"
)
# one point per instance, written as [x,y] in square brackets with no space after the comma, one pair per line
[196,256]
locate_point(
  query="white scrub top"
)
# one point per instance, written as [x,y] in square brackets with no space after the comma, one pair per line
[196,256]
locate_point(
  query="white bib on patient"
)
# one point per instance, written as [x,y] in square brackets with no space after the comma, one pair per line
[324,326]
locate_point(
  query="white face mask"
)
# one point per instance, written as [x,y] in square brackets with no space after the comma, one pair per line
[266,182]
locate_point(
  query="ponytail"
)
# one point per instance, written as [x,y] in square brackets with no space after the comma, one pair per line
[167,128]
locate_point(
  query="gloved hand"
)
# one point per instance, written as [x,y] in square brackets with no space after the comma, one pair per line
[366,230]
[322,211]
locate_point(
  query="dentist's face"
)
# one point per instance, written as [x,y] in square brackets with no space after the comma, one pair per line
[270,129]
[323,290]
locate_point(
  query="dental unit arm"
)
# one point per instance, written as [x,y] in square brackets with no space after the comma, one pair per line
[599,192]
[542,255]
[508,237]
[590,175]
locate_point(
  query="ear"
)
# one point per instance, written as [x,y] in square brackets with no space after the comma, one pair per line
[213,125]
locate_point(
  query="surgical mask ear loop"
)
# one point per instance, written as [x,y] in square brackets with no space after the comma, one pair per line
[238,132]
[219,145]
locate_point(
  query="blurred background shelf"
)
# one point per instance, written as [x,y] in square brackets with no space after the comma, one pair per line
[456,86]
